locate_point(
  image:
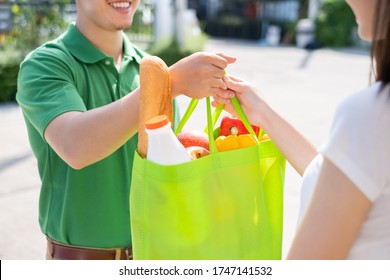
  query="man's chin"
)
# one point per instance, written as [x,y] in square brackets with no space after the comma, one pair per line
[123,26]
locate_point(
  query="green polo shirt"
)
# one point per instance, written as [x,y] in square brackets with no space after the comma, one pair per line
[87,207]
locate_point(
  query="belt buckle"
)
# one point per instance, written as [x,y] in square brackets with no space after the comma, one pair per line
[129,253]
[124,252]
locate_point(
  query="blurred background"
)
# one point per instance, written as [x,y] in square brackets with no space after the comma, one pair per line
[304,55]
[175,28]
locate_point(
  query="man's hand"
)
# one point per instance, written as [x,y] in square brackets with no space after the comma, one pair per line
[200,75]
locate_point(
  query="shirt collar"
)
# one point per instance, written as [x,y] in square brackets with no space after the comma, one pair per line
[81,48]
[129,50]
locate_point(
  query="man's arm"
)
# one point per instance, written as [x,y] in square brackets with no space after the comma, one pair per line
[83,138]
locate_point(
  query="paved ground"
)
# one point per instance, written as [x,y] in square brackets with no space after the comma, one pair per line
[304,86]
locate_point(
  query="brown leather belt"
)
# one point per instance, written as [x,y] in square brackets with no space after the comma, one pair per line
[60,251]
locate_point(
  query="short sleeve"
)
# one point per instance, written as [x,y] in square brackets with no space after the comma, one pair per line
[359,141]
[46,88]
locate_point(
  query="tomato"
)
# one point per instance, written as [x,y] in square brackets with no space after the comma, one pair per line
[231,125]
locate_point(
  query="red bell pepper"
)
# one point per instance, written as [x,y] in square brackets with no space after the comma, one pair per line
[231,125]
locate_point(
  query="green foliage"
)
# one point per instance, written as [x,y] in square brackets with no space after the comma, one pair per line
[171,52]
[9,68]
[139,26]
[335,24]
[36,22]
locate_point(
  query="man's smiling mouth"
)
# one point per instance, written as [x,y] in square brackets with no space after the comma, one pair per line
[120,5]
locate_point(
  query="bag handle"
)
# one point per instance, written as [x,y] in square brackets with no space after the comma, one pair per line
[241,115]
[190,109]
[212,119]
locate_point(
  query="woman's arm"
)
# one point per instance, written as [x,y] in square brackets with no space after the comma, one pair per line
[333,219]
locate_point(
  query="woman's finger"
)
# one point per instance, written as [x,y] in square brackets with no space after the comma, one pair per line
[224,94]
[233,85]
[221,100]
[236,79]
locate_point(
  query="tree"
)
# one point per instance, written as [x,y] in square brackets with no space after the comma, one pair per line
[33,23]
[36,21]
[303,9]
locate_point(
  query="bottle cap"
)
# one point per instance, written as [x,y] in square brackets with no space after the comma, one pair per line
[157,122]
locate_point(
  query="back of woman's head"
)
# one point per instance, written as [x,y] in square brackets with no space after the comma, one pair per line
[380,51]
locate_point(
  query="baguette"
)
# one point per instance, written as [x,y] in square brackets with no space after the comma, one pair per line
[155,96]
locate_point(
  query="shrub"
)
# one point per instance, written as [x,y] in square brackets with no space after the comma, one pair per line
[335,23]
[34,22]
[171,52]
[234,27]
[9,69]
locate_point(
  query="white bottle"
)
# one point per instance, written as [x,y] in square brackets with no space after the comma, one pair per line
[163,146]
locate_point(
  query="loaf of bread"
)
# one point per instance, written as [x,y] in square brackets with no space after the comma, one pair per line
[155,96]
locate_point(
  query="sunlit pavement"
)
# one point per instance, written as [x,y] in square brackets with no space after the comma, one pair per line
[303,86]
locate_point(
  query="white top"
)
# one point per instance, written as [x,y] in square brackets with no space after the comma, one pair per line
[359,145]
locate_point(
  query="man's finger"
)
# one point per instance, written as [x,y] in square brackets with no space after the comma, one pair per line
[230,59]
[218,73]
[222,61]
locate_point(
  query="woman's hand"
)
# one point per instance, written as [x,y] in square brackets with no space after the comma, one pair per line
[249,97]
[200,75]
[298,150]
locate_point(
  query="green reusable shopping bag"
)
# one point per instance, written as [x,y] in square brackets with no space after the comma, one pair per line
[227,205]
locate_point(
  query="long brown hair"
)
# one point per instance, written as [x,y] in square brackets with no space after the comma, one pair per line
[380,50]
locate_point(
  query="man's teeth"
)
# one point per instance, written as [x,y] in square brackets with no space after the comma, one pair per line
[120,5]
